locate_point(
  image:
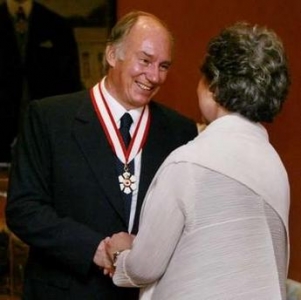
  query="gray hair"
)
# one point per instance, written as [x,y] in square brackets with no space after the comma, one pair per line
[247,71]
[121,30]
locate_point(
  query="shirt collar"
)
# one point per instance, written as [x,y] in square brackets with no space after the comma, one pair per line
[117,110]
[13,7]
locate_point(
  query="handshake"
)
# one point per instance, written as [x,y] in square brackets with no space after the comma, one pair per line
[108,250]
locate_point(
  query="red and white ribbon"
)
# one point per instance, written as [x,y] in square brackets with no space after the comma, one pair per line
[112,133]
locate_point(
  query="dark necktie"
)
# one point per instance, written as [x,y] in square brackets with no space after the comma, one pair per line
[125,125]
[21,21]
[21,26]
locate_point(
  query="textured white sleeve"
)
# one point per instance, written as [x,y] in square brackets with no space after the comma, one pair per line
[161,226]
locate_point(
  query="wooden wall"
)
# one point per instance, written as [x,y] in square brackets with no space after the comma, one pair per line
[193,23]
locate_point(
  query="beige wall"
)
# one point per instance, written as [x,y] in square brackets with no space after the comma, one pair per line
[193,23]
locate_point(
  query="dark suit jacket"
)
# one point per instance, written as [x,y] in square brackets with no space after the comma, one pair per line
[64,195]
[51,66]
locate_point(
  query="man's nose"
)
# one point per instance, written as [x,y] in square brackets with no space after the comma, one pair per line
[153,73]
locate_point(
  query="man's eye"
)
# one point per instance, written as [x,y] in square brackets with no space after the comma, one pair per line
[164,67]
[145,61]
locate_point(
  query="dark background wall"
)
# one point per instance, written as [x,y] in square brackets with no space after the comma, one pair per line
[194,22]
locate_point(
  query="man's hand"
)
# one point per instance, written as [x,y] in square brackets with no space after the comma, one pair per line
[102,259]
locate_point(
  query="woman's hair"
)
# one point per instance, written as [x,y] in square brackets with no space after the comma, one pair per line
[247,71]
[122,28]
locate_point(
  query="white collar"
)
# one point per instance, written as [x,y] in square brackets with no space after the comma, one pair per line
[117,109]
[13,6]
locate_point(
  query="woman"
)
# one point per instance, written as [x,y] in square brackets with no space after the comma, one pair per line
[215,220]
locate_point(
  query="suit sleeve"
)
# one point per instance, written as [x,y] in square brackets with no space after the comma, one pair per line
[30,209]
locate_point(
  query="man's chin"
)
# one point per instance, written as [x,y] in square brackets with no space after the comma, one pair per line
[141,101]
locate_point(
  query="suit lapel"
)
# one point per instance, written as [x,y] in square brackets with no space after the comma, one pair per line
[101,159]
[99,155]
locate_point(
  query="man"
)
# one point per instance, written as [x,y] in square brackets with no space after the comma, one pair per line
[38,58]
[75,182]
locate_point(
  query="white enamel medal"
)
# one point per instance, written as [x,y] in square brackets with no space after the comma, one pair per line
[127,182]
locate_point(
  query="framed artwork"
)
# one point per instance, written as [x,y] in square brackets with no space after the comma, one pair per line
[84,13]
[91,21]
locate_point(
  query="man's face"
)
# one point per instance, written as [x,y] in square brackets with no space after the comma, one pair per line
[141,67]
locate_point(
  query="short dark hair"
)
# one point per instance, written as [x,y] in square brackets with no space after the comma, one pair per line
[124,26]
[247,71]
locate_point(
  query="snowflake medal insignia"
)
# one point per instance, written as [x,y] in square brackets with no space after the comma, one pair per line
[127,182]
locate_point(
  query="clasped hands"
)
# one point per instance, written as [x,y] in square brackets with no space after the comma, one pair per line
[107,249]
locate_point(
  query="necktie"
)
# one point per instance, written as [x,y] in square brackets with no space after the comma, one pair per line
[21,22]
[21,26]
[125,124]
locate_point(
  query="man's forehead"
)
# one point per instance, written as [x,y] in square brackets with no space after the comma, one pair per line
[148,24]
[151,55]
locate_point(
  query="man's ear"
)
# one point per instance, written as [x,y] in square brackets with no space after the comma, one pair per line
[111,55]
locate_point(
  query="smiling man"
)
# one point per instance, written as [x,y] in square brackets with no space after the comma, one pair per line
[139,63]
[84,162]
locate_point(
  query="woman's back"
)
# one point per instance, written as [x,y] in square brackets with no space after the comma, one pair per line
[227,249]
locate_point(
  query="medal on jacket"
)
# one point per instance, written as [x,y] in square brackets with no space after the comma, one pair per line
[127,181]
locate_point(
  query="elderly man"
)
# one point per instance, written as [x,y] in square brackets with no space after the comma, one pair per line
[84,162]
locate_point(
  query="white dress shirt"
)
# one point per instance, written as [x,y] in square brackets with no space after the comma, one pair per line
[117,111]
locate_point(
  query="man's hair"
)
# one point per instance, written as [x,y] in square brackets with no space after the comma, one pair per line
[123,27]
[247,71]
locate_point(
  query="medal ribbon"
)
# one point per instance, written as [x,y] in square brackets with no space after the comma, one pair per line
[112,133]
